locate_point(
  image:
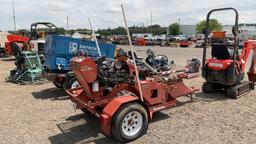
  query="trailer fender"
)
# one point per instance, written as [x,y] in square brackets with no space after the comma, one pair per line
[110,109]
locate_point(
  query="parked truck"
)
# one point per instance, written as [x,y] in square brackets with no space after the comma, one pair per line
[58,52]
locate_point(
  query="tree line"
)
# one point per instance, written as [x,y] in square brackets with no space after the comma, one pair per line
[156,29]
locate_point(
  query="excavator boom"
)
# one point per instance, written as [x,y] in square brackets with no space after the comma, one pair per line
[252,71]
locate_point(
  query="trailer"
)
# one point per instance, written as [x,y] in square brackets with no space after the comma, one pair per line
[58,52]
[110,91]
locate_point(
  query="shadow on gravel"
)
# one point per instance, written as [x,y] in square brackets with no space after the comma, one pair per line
[85,128]
[81,128]
[51,93]
[158,116]
[218,96]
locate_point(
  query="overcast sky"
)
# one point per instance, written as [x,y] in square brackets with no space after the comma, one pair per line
[107,13]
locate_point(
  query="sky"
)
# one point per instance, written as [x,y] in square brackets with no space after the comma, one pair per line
[107,13]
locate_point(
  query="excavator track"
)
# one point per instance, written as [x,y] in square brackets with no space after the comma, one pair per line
[240,89]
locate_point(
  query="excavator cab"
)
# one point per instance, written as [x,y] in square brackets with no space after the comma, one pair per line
[223,69]
[39,30]
[40,33]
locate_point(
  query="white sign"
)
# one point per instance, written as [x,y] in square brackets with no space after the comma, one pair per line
[216,65]
[73,47]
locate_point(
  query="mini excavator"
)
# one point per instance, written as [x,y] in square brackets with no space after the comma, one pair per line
[225,69]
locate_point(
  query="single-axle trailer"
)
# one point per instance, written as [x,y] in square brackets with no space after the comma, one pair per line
[109,90]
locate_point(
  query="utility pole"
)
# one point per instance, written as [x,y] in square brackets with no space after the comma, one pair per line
[142,29]
[167,31]
[14,18]
[68,24]
[179,25]
[151,22]
[147,28]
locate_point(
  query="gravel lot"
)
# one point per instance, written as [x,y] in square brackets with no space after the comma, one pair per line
[44,114]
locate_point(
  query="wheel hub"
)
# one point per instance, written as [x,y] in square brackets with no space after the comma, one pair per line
[132,123]
[75,84]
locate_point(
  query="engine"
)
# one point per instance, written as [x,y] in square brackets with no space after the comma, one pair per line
[159,62]
[112,72]
[193,65]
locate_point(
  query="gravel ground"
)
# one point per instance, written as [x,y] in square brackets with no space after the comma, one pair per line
[44,114]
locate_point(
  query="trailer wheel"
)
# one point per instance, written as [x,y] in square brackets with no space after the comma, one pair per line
[72,83]
[208,87]
[129,122]
[58,85]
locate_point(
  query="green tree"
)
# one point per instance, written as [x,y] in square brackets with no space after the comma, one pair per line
[23,32]
[214,25]
[104,31]
[10,31]
[156,30]
[61,30]
[174,29]
[119,30]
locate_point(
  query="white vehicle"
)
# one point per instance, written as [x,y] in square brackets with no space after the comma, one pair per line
[3,38]
[37,45]
[146,36]
[160,37]
[179,37]
[199,43]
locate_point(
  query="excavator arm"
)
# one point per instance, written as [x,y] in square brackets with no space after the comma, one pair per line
[252,71]
[245,53]
[250,44]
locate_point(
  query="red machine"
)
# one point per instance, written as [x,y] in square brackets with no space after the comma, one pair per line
[140,42]
[110,92]
[20,40]
[184,43]
[225,69]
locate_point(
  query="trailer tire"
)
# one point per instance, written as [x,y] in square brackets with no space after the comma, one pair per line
[72,83]
[58,85]
[129,122]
